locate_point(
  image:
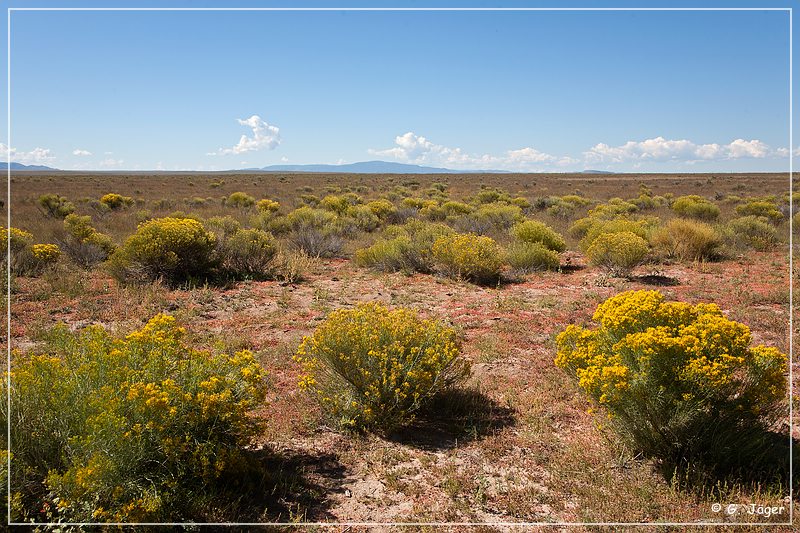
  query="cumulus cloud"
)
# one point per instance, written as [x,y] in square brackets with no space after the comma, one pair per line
[37,155]
[78,151]
[419,150]
[660,149]
[265,136]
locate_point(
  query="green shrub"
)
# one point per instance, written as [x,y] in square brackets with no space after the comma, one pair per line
[525,257]
[130,429]
[373,369]
[687,240]
[363,217]
[489,217]
[615,207]
[223,227]
[491,196]
[680,382]
[468,256]
[694,206]
[116,201]
[83,244]
[174,250]
[406,248]
[240,200]
[27,259]
[20,241]
[750,232]
[764,209]
[618,253]
[248,254]
[533,231]
[598,227]
[56,206]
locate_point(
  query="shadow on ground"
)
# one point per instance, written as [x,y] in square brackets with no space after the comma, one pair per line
[760,458]
[285,486]
[454,417]
[657,280]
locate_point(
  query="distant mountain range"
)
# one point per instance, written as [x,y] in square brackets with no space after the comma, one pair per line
[20,166]
[372,167]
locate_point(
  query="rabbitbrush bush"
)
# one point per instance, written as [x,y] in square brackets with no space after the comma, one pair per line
[468,256]
[618,253]
[133,429]
[687,240]
[407,248]
[55,205]
[533,231]
[679,382]
[83,244]
[248,253]
[373,368]
[525,257]
[116,201]
[694,206]
[175,250]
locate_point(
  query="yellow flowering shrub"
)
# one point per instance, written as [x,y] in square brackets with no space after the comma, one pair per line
[175,250]
[116,201]
[123,429]
[240,200]
[372,368]
[382,208]
[618,253]
[468,256]
[678,380]
[266,205]
[20,240]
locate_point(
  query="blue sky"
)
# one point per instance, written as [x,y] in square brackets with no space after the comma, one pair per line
[529,91]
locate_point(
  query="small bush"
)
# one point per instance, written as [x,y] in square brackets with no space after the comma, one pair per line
[248,253]
[266,205]
[175,250]
[468,256]
[525,257]
[615,207]
[618,253]
[373,369]
[84,245]
[383,209]
[56,206]
[687,240]
[768,210]
[20,241]
[363,217]
[129,429]
[407,248]
[750,232]
[43,256]
[533,231]
[490,217]
[222,227]
[240,200]
[597,227]
[115,201]
[694,206]
[680,382]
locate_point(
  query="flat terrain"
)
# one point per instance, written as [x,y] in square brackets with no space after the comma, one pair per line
[524,450]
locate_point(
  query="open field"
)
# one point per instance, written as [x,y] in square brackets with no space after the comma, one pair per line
[515,443]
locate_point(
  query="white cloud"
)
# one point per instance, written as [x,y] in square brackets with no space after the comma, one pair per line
[110,163]
[660,149]
[37,155]
[265,136]
[284,159]
[416,149]
[78,151]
